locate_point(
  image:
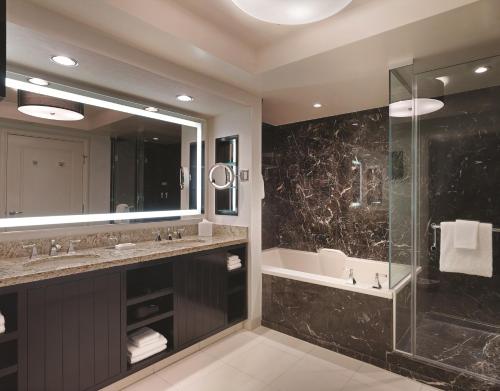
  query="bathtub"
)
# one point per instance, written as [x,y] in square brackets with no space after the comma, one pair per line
[331,268]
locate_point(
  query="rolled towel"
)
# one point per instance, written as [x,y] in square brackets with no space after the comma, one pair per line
[234,267]
[139,350]
[143,336]
[134,359]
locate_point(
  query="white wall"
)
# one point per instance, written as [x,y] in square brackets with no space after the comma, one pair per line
[246,123]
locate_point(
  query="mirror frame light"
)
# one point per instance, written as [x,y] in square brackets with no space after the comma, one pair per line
[19,82]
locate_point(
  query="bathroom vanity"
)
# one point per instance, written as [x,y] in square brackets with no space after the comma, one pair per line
[67,325]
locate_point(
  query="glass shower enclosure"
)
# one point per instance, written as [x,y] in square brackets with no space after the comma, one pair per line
[445,165]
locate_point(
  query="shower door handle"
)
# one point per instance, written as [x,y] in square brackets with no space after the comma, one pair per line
[181,178]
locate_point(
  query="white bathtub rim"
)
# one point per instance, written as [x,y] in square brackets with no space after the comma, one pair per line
[326,281]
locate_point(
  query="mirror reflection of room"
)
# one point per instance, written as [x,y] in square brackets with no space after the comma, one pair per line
[65,158]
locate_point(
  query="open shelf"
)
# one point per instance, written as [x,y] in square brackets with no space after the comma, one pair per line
[150,320]
[8,381]
[164,327]
[8,336]
[8,371]
[150,296]
[149,281]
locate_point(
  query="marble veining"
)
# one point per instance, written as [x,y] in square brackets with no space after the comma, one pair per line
[314,195]
[21,270]
[349,322]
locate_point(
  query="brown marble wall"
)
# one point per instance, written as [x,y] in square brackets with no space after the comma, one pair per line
[351,323]
[313,185]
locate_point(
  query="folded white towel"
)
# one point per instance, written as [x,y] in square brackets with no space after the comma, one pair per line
[477,262]
[153,341]
[133,360]
[466,234]
[232,257]
[139,350]
[233,267]
[2,318]
[233,262]
[2,329]
[143,336]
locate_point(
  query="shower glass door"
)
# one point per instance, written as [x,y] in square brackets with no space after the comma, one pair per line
[456,169]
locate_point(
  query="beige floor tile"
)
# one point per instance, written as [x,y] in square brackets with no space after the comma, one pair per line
[232,345]
[377,377]
[224,378]
[150,383]
[285,342]
[264,362]
[191,367]
[301,378]
[338,359]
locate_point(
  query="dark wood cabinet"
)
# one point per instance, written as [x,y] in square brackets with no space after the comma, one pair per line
[70,333]
[74,333]
[200,296]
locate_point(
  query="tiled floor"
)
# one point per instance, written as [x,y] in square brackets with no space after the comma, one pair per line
[265,360]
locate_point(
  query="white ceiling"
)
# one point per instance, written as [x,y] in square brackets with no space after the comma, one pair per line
[342,61]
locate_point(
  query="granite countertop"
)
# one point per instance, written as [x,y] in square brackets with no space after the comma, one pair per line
[22,270]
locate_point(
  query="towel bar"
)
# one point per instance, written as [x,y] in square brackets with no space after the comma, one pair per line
[435,227]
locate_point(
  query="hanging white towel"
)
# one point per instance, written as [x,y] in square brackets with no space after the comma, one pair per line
[478,262]
[466,234]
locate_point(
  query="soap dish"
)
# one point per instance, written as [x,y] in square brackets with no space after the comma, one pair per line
[124,246]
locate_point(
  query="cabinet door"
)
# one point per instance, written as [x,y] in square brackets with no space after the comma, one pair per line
[74,333]
[200,292]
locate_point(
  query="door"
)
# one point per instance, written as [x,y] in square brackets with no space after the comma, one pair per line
[162,177]
[200,296]
[74,333]
[44,176]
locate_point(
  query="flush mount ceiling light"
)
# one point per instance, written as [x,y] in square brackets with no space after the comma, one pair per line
[404,108]
[64,61]
[47,107]
[38,81]
[151,109]
[185,98]
[317,105]
[291,12]
[482,69]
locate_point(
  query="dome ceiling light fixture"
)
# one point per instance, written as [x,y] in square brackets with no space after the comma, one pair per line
[291,12]
[47,107]
[404,108]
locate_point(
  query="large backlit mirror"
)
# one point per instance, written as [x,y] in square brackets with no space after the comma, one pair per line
[71,156]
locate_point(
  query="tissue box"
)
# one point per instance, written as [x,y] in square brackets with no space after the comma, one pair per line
[205,228]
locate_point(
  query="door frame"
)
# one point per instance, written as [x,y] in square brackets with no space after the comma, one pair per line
[61,135]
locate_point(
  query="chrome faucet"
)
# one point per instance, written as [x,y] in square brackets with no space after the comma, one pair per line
[351,279]
[377,284]
[71,248]
[54,248]
[32,247]
[157,235]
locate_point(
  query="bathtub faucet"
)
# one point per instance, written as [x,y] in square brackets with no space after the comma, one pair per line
[377,284]
[351,279]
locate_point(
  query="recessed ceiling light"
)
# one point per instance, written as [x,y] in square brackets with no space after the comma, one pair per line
[64,61]
[185,98]
[317,105]
[151,109]
[156,139]
[38,81]
[482,69]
